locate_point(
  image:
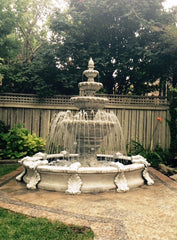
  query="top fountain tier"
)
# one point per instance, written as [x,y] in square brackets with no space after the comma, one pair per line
[90,87]
[90,73]
[87,90]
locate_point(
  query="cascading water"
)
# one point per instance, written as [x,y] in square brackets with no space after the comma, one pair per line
[79,135]
[85,151]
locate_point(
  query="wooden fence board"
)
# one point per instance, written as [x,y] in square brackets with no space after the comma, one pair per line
[20,115]
[36,121]
[28,119]
[140,123]
[3,116]
[45,123]
[148,128]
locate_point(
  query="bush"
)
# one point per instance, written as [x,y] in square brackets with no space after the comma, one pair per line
[173,125]
[154,157]
[18,142]
[3,129]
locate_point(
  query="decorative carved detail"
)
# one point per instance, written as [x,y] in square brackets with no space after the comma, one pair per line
[139,159]
[75,166]
[19,178]
[31,179]
[121,182]
[74,184]
[30,174]
[147,177]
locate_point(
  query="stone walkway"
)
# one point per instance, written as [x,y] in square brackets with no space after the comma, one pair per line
[145,213]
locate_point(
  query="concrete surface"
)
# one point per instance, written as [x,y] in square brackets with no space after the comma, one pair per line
[144,213]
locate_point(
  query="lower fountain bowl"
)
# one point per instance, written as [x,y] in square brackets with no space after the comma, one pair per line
[75,179]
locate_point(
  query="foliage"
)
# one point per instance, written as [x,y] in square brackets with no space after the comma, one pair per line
[173,124]
[3,127]
[155,156]
[5,169]
[28,66]
[3,130]
[18,226]
[18,142]
[39,76]
[133,43]
[123,38]
[20,26]
[8,43]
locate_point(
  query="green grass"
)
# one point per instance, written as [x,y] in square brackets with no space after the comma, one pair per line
[5,169]
[17,226]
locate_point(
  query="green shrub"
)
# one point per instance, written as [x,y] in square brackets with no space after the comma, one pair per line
[173,125]
[3,127]
[18,142]
[154,157]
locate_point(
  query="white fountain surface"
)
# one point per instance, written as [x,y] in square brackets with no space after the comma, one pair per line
[93,159]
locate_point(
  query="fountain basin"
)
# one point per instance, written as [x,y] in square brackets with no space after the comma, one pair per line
[76,179]
[90,179]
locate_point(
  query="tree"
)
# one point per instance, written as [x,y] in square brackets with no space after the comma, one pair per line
[27,69]
[169,49]
[21,33]
[8,43]
[122,37]
[31,27]
[132,42]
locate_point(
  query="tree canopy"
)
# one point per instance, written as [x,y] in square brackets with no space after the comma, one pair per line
[133,43]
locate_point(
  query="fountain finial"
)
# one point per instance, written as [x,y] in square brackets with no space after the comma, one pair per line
[91,64]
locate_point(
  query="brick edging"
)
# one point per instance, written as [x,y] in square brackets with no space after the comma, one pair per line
[168,182]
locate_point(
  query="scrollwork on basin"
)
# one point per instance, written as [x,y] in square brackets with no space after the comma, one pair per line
[74,184]
[30,174]
[121,182]
[147,177]
[19,178]
[32,179]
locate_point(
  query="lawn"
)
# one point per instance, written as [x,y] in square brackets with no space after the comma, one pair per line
[15,226]
[7,168]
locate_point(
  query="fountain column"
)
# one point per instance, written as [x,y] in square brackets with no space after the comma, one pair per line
[89,138]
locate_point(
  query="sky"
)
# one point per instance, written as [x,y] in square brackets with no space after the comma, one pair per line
[170,3]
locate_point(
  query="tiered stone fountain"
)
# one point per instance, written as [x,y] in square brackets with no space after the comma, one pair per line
[93,151]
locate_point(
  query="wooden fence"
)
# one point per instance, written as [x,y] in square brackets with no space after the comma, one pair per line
[138,115]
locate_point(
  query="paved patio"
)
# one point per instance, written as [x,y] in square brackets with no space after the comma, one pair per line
[144,213]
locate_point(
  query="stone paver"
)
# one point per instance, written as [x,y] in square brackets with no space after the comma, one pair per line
[145,213]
